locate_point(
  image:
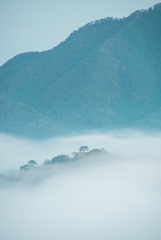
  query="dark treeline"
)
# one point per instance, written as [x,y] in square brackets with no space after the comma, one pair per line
[32,172]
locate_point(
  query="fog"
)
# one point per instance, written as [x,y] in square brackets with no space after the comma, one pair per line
[117,198]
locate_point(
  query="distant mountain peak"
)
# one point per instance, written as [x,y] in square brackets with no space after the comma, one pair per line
[105,75]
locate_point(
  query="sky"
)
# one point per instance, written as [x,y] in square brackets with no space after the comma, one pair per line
[38,25]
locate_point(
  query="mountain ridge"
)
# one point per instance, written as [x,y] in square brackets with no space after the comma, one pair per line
[105,75]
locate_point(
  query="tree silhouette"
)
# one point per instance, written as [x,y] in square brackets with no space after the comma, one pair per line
[83,148]
[32,163]
[24,167]
[46,162]
[60,159]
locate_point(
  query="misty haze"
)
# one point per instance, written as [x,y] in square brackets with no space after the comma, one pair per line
[114,198]
[80,123]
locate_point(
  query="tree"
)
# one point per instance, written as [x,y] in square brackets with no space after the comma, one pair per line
[83,148]
[32,163]
[24,167]
[60,159]
[46,162]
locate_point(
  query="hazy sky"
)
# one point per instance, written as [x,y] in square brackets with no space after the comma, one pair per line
[37,25]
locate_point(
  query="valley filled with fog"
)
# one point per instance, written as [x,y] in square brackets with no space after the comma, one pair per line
[115,197]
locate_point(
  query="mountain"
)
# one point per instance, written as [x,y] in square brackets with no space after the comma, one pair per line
[106,75]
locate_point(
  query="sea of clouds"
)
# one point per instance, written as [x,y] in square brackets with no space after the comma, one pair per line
[115,199]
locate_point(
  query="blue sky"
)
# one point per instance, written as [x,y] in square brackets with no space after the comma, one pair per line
[37,25]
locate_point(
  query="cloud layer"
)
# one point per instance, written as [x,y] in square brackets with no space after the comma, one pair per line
[116,199]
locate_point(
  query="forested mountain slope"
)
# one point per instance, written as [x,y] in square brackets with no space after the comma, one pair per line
[105,75]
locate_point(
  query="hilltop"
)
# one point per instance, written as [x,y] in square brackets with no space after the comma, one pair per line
[32,174]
